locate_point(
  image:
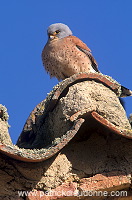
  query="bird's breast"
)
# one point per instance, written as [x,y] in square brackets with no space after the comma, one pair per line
[63,60]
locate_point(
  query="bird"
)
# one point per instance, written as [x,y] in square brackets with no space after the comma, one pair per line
[65,55]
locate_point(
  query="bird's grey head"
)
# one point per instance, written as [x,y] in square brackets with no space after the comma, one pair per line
[58,30]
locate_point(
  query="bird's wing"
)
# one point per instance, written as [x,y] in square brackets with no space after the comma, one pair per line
[83,47]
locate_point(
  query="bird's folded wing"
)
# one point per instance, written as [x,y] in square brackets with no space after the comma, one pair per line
[83,47]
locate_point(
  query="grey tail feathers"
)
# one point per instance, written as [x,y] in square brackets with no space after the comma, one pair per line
[125,92]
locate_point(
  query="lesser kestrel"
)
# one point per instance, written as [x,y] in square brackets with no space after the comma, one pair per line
[65,54]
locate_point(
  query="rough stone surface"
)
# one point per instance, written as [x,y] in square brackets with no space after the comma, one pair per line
[4,134]
[78,99]
[95,159]
[97,163]
[92,96]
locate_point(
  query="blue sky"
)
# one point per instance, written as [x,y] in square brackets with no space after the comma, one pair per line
[104,25]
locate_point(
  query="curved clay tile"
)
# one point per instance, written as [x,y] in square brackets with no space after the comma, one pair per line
[83,100]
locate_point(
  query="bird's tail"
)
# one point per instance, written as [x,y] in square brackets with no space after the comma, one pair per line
[125,92]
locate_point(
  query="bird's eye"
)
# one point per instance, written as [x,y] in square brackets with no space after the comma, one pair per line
[57,31]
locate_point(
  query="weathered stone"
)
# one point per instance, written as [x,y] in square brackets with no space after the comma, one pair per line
[81,116]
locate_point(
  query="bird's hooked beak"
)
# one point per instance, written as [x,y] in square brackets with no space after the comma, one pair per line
[52,36]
